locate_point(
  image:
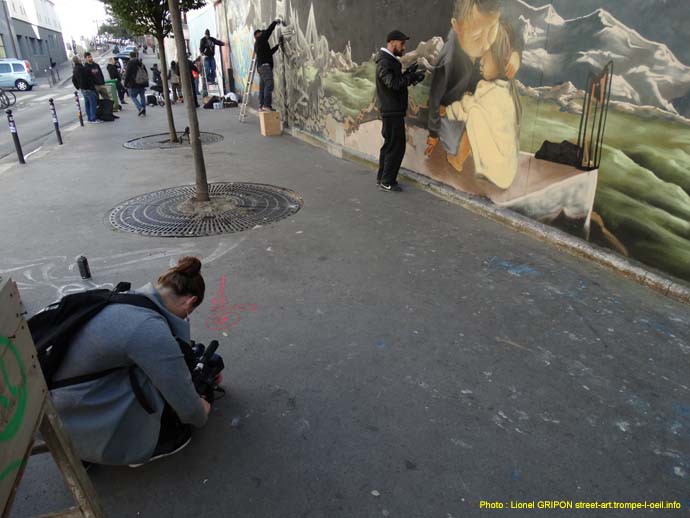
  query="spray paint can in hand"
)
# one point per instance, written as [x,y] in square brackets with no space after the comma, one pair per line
[83,265]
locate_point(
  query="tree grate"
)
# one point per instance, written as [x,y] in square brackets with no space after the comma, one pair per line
[162,141]
[235,207]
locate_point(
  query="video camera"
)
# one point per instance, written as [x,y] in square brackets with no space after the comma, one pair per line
[205,365]
[414,75]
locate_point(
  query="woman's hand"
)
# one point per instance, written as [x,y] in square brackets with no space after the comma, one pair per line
[206,405]
[431,144]
[218,379]
[442,111]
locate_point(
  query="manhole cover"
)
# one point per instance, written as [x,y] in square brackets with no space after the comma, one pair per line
[162,141]
[234,207]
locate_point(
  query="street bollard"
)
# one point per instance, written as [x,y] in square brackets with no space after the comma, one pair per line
[55,121]
[76,100]
[15,136]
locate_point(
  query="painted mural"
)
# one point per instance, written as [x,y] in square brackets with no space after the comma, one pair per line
[504,76]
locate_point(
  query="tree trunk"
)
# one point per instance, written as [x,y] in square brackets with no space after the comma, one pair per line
[166,91]
[186,78]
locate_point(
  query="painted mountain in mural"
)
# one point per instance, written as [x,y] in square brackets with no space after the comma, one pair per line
[559,50]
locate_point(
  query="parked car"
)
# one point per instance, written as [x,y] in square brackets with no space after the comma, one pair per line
[130,48]
[16,73]
[122,56]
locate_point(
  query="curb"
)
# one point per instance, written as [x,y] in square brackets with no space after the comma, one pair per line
[658,282]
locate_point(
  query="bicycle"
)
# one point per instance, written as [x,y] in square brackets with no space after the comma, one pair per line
[7,99]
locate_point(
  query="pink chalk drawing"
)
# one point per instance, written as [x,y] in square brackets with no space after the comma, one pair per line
[224,316]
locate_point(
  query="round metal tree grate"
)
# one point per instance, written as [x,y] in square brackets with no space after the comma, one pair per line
[162,141]
[234,207]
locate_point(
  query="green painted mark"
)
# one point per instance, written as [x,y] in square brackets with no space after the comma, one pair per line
[18,394]
[12,466]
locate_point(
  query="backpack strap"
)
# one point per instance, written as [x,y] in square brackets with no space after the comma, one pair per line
[132,299]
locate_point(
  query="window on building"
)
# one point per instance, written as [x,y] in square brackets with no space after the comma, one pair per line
[5,68]
[3,54]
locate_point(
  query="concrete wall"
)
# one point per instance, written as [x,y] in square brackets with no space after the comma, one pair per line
[37,31]
[38,45]
[9,42]
[637,202]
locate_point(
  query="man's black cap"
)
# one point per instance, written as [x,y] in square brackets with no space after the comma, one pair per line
[396,36]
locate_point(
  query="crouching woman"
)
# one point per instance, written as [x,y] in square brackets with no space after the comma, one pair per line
[127,395]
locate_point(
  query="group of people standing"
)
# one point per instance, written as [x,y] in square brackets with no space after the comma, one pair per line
[88,77]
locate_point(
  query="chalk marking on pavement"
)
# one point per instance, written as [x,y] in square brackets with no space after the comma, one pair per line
[43,98]
[34,151]
[56,271]
[64,97]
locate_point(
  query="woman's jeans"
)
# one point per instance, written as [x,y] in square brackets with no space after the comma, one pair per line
[90,101]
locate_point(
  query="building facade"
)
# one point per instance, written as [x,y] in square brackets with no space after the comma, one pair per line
[30,30]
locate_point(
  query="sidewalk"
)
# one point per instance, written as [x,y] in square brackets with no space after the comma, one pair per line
[405,358]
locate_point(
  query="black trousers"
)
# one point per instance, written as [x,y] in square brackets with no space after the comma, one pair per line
[393,150]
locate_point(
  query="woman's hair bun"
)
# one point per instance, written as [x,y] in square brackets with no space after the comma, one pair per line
[188,266]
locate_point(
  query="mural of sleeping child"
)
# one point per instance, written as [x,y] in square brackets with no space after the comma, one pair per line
[491,115]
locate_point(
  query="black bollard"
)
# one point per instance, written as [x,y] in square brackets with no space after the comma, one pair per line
[15,136]
[76,100]
[84,269]
[55,121]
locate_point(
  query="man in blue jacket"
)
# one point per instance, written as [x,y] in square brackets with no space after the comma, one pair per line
[391,97]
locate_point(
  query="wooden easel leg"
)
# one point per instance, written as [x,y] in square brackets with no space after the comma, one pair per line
[78,482]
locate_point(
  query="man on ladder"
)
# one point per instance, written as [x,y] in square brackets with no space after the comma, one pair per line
[207,47]
[263,54]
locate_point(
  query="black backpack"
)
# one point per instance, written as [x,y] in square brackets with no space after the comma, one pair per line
[104,110]
[53,329]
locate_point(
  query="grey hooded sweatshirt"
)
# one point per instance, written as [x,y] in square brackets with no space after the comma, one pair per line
[106,422]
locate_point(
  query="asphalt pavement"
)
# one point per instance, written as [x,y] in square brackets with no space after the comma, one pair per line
[388,354]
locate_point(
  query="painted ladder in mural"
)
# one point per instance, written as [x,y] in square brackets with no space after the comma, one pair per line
[26,409]
[593,122]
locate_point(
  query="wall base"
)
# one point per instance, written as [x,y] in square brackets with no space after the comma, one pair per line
[657,281]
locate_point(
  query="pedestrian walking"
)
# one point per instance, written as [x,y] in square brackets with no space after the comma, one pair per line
[196,74]
[192,70]
[264,65]
[83,81]
[207,47]
[94,69]
[137,80]
[115,75]
[174,78]
[392,98]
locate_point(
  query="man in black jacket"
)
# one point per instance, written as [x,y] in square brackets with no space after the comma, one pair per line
[84,81]
[391,96]
[94,69]
[264,65]
[137,80]
[207,47]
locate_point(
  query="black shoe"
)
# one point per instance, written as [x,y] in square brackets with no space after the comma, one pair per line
[389,188]
[171,446]
[141,112]
[144,112]
[124,102]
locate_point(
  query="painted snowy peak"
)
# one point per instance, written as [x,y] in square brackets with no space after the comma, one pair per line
[558,50]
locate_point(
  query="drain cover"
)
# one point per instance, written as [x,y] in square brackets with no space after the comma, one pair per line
[162,141]
[234,207]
